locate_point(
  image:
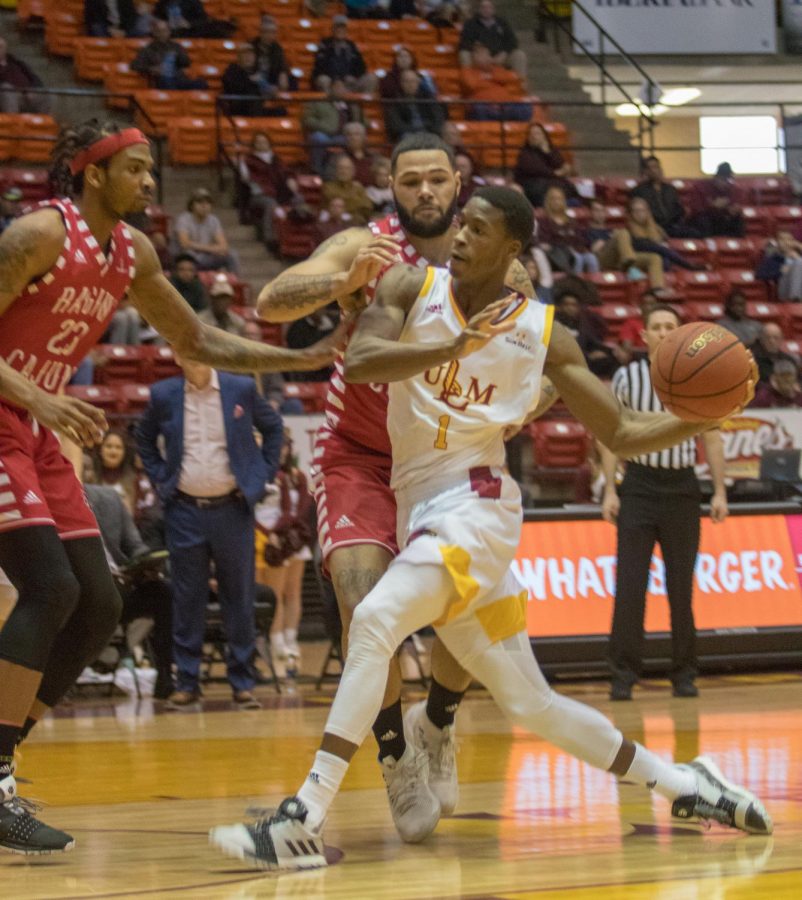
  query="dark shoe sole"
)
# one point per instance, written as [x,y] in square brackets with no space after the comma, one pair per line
[21,850]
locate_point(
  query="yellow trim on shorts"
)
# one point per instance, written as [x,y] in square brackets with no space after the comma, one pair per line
[458,563]
[503,618]
[547,325]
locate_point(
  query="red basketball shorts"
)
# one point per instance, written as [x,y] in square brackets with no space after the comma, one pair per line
[352,489]
[38,486]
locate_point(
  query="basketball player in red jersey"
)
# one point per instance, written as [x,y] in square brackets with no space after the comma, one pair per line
[356,508]
[63,270]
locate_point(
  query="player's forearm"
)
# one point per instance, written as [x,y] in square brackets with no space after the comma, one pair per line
[374,359]
[646,432]
[714,451]
[293,296]
[231,353]
[16,388]
[609,466]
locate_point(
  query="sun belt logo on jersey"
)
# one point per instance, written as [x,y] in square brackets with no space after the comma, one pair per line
[452,392]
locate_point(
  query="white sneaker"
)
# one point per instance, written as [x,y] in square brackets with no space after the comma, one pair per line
[440,746]
[720,800]
[90,676]
[415,809]
[280,841]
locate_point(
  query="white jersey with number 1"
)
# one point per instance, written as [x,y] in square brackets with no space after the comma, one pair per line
[449,420]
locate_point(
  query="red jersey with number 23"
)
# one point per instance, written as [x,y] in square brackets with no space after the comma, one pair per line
[57,319]
[358,412]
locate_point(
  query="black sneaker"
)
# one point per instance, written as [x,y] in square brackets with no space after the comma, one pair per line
[685,688]
[620,690]
[718,800]
[21,831]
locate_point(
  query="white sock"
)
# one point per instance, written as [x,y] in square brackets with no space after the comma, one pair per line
[291,638]
[320,788]
[665,778]
[277,644]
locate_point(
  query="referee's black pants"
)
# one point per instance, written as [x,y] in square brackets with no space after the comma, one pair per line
[657,506]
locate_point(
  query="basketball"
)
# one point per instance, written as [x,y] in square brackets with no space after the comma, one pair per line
[701,371]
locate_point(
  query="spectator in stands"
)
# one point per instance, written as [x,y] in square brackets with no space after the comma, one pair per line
[718,205]
[379,190]
[199,233]
[323,121]
[185,280]
[663,199]
[242,78]
[271,60]
[143,590]
[539,165]
[163,61]
[648,237]
[767,350]
[339,59]
[416,109]
[333,218]
[112,19]
[345,186]
[356,146]
[451,134]
[306,331]
[736,320]
[615,251]
[630,335]
[493,88]
[188,18]
[285,520]
[439,13]
[271,384]
[10,206]
[196,441]
[586,329]
[403,60]
[782,389]
[469,180]
[112,464]
[564,242]
[219,315]
[18,77]
[782,264]
[366,9]
[268,184]
[495,33]
[126,325]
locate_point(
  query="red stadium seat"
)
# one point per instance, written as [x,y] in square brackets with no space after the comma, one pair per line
[36,136]
[133,398]
[794,348]
[117,363]
[744,280]
[695,251]
[311,186]
[705,310]
[733,253]
[614,315]
[766,190]
[296,240]
[701,285]
[757,221]
[794,321]
[559,445]
[34,183]
[161,363]
[191,141]
[311,393]
[92,55]
[613,287]
[786,217]
[99,395]
[768,312]
[616,190]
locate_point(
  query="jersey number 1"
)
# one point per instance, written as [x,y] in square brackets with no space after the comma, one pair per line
[440,442]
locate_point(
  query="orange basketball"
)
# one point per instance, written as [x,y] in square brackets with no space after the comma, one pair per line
[701,371]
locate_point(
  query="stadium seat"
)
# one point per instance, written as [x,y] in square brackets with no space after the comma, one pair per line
[120,78]
[311,186]
[704,310]
[615,190]
[160,363]
[99,395]
[92,55]
[695,251]
[757,221]
[785,216]
[373,31]
[199,104]
[793,348]
[296,240]
[768,312]
[118,363]
[158,108]
[133,398]
[733,253]
[766,190]
[304,31]
[36,136]
[311,393]
[744,280]
[217,53]
[614,316]
[419,35]
[613,287]
[616,216]
[62,29]
[560,448]
[9,125]
[34,183]
[793,328]
[272,333]
[191,141]
[701,285]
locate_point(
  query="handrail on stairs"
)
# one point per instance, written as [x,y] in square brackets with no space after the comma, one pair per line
[646,123]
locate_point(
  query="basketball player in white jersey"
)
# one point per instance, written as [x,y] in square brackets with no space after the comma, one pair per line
[352,462]
[462,365]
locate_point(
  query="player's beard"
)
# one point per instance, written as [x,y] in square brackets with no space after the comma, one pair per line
[435,228]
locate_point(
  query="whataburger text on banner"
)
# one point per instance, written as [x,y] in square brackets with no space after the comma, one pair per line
[746,576]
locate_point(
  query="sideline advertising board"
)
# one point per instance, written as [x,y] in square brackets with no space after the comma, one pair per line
[679,26]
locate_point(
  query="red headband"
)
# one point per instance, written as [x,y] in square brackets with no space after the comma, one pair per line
[106,147]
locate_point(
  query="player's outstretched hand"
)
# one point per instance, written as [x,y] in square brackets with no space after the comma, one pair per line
[80,422]
[324,352]
[378,253]
[484,326]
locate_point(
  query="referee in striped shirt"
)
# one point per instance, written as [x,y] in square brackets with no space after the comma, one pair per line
[658,502]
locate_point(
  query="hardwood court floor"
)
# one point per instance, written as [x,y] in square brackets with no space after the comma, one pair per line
[139,790]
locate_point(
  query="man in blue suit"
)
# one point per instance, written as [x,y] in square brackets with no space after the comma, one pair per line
[210,477]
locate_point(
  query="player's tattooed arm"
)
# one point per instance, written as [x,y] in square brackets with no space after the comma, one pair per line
[167,311]
[29,247]
[623,431]
[338,268]
[518,279]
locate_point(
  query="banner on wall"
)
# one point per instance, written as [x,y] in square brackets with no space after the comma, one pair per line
[679,26]
[747,436]
[747,576]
